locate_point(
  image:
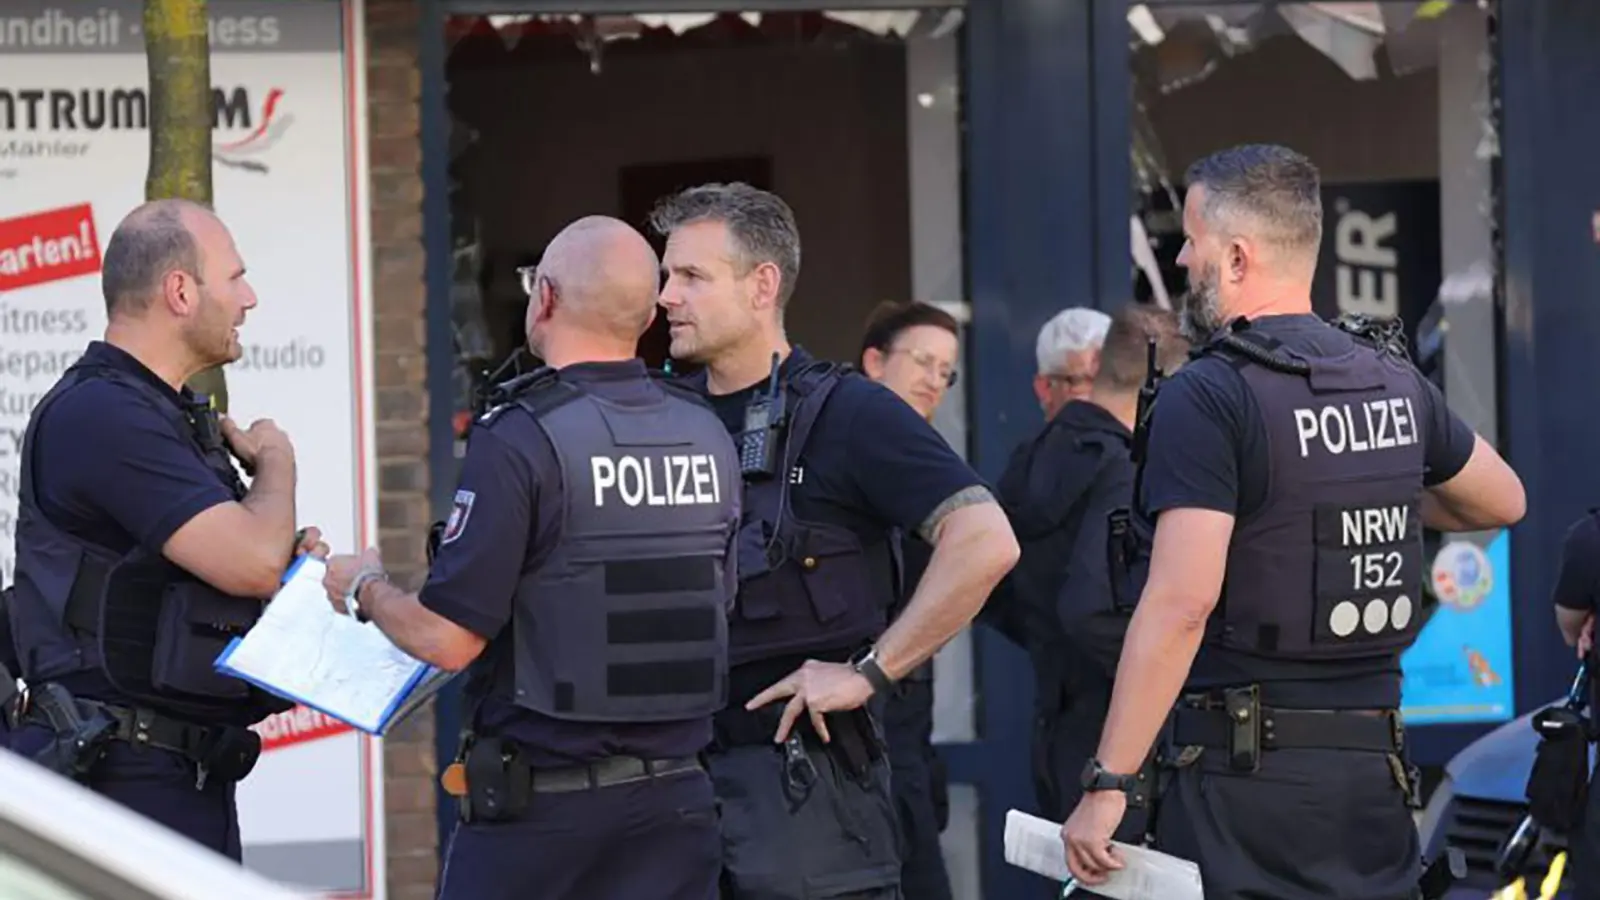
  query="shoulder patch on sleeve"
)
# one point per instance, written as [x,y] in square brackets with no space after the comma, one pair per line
[460,511]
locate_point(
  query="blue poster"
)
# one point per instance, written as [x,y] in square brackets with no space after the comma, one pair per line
[1459,670]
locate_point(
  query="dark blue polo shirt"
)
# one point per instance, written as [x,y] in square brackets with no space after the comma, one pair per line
[110,469]
[871,464]
[1578,581]
[514,524]
[1208,450]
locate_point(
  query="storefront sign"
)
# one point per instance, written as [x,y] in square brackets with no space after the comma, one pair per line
[289,164]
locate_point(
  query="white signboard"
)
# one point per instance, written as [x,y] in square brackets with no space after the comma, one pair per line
[290,181]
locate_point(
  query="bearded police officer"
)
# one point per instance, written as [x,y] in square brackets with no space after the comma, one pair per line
[833,466]
[1299,461]
[140,553]
[586,567]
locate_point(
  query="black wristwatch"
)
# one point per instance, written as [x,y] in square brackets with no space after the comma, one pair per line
[1096,778]
[866,664]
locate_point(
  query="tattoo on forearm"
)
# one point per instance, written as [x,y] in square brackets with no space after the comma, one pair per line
[967,496]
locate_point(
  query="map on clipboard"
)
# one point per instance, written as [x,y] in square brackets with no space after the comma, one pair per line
[303,650]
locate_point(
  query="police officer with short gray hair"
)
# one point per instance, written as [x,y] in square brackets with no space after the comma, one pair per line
[1291,468]
[835,467]
[585,573]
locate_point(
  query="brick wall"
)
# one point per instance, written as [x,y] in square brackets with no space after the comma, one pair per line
[399,296]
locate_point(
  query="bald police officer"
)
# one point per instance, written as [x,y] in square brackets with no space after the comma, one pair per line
[834,467]
[140,552]
[585,573]
[1299,461]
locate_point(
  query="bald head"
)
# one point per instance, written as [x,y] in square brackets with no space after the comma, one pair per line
[605,275]
[156,238]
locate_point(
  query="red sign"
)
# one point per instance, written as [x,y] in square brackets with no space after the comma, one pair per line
[48,246]
[297,726]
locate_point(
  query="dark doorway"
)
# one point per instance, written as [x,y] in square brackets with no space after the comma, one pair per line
[641,186]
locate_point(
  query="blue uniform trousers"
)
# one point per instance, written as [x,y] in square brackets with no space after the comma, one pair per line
[836,839]
[1582,874]
[917,783]
[1308,825]
[652,838]
[159,785]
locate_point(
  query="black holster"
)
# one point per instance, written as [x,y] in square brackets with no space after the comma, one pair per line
[78,734]
[855,745]
[499,784]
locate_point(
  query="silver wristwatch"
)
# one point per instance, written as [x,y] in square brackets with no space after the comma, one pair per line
[352,600]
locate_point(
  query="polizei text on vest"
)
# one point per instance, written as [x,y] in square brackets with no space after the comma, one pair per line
[1356,428]
[665,480]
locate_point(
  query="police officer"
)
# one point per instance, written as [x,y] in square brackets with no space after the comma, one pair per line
[585,573]
[140,553]
[1577,593]
[1063,491]
[833,465]
[1301,462]
[912,349]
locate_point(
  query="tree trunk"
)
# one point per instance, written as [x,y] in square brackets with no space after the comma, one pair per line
[181,116]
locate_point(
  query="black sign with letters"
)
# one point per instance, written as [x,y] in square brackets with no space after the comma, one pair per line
[1380,251]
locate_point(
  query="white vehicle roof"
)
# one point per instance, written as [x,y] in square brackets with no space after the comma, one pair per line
[46,821]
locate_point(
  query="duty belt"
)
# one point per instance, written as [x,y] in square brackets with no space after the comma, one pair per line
[493,783]
[613,770]
[223,751]
[1234,721]
[1375,731]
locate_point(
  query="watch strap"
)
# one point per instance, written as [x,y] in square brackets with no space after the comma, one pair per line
[867,666]
[1096,778]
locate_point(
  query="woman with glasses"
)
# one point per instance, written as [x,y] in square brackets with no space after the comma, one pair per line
[912,349]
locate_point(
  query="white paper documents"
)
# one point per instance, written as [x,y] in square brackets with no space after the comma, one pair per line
[304,650]
[1034,844]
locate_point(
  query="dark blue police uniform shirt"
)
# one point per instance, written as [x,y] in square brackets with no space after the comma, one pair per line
[1578,582]
[514,526]
[110,469]
[871,464]
[1208,450]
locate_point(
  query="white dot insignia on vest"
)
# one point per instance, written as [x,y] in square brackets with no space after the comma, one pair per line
[1401,614]
[1344,619]
[1376,616]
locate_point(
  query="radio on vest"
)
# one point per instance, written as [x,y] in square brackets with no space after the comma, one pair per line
[763,420]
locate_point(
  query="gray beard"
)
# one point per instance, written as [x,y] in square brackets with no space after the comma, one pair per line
[1202,315]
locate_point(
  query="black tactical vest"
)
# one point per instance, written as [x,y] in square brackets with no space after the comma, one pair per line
[805,587]
[1330,567]
[150,627]
[626,621]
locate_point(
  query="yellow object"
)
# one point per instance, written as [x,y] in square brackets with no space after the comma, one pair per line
[1552,878]
[1512,891]
[1432,9]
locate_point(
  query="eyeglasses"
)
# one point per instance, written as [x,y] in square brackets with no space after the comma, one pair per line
[1071,381]
[927,362]
[529,275]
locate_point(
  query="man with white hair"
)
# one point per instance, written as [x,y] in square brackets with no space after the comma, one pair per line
[1068,353]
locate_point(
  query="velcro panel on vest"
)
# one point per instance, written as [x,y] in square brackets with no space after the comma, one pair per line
[1330,567]
[1368,571]
[626,620]
[696,624]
